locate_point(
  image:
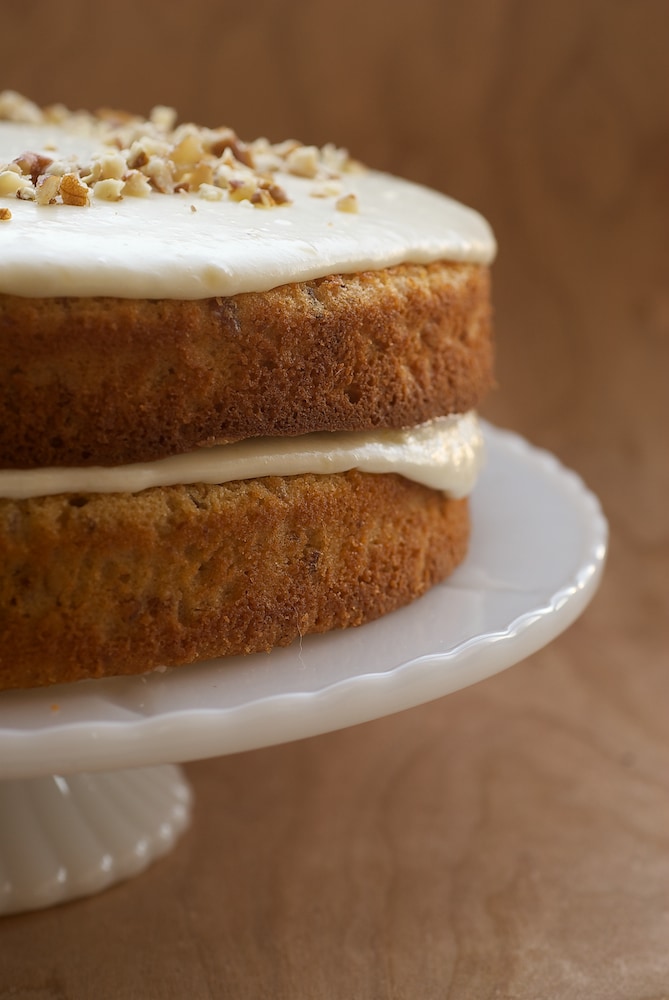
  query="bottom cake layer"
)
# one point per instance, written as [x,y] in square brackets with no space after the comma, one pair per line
[103,585]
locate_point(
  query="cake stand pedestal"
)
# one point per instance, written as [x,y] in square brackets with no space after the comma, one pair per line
[88,798]
[62,837]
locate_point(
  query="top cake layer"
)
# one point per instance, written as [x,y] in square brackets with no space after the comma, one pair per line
[165,289]
[159,212]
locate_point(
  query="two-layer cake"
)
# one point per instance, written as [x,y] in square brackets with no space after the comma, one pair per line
[237,384]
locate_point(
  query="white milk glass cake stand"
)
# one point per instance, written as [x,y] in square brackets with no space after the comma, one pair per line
[90,793]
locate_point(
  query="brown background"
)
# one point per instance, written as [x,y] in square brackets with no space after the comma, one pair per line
[512,840]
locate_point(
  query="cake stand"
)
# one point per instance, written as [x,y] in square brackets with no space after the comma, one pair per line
[90,793]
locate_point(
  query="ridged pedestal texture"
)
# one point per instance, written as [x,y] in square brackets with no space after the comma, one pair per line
[66,837]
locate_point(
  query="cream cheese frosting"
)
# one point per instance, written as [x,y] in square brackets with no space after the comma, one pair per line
[187,247]
[445,454]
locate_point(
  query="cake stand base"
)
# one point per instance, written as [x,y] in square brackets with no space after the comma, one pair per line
[66,837]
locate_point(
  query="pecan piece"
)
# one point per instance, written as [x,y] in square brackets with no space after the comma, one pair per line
[73,190]
[33,164]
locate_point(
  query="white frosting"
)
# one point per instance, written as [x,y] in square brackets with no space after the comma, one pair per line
[158,247]
[445,454]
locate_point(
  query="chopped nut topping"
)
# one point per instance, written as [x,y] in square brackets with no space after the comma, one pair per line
[138,157]
[15,108]
[11,183]
[190,180]
[47,189]
[73,190]
[262,197]
[160,174]
[55,114]
[108,166]
[211,193]
[278,194]
[58,168]
[5,215]
[136,185]
[188,150]
[163,118]
[242,188]
[347,203]
[303,161]
[33,164]
[109,189]
[328,189]
[227,142]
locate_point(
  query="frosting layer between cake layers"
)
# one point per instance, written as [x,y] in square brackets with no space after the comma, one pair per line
[445,454]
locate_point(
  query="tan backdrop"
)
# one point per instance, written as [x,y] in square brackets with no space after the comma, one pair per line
[511,840]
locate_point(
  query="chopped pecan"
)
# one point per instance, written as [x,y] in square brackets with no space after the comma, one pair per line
[347,203]
[109,189]
[47,189]
[136,184]
[33,164]
[227,139]
[11,182]
[73,190]
[303,161]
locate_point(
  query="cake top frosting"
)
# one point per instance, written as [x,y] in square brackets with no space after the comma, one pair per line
[113,204]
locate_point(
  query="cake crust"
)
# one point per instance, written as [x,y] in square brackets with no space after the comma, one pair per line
[108,381]
[102,585]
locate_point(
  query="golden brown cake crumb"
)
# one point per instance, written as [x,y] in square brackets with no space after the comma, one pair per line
[101,585]
[390,348]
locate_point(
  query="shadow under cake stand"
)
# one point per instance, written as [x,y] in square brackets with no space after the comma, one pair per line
[90,793]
